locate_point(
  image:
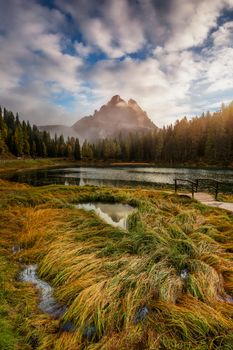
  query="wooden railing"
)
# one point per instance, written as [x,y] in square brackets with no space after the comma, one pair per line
[208,183]
[189,182]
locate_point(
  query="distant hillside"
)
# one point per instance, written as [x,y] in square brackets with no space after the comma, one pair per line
[66,131]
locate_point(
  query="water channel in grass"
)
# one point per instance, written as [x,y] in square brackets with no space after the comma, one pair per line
[48,303]
[120,176]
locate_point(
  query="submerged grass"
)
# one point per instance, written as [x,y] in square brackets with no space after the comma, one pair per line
[164,283]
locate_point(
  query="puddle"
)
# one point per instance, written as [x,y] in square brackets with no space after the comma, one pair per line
[184,274]
[114,214]
[16,249]
[226,298]
[48,303]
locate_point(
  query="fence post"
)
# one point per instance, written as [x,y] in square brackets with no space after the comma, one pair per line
[192,190]
[197,183]
[216,191]
[175,186]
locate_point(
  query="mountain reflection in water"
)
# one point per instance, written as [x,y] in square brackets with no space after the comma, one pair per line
[114,214]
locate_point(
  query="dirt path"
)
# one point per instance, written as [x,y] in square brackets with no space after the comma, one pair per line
[208,199]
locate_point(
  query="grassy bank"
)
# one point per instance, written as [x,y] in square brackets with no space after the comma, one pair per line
[165,283]
[10,165]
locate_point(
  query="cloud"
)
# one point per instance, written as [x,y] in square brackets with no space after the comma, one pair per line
[110,26]
[224,35]
[191,21]
[60,63]
[219,59]
[158,89]
[82,50]
[33,56]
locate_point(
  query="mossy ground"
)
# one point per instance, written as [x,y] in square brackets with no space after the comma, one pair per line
[106,275]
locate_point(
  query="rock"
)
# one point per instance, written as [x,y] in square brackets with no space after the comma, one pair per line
[90,332]
[141,314]
[68,326]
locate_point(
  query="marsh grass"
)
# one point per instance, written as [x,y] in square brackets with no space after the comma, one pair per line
[175,261]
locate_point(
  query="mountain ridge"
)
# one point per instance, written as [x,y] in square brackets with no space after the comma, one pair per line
[117,116]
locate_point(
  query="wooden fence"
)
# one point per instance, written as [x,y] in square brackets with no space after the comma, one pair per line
[211,185]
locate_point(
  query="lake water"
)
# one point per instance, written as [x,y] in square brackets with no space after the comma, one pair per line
[118,176]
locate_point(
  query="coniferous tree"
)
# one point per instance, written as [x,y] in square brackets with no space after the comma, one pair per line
[77,152]
[18,141]
[87,150]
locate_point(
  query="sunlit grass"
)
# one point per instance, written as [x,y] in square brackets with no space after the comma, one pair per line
[7,165]
[174,263]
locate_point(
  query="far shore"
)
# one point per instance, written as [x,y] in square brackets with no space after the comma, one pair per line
[21,164]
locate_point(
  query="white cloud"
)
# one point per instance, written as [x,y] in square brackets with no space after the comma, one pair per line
[82,50]
[191,22]
[114,29]
[32,57]
[219,59]
[224,35]
[38,72]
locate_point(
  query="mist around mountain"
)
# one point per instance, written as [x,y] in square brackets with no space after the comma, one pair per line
[117,116]
[64,130]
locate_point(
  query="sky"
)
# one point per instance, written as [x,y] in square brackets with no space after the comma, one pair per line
[62,59]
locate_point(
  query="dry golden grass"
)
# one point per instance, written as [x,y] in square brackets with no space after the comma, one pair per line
[175,261]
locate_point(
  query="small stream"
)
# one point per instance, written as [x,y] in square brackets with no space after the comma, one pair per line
[48,303]
[113,214]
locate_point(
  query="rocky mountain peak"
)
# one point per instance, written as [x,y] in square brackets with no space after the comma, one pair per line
[132,102]
[117,116]
[115,100]
[114,118]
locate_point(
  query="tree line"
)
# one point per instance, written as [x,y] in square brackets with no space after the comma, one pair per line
[22,139]
[208,138]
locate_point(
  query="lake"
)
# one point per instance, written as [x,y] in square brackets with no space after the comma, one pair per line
[118,176]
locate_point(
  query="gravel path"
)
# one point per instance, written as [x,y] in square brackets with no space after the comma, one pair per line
[207,199]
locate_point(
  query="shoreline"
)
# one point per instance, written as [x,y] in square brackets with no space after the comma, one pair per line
[17,165]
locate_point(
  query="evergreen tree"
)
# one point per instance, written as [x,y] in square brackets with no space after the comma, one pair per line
[87,150]
[77,152]
[26,145]
[18,141]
